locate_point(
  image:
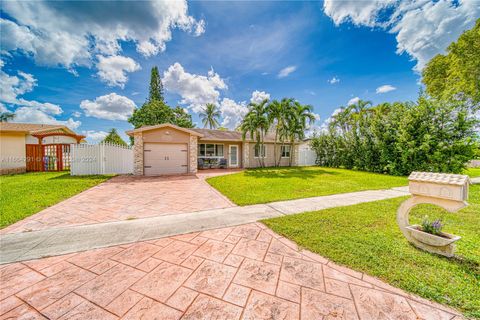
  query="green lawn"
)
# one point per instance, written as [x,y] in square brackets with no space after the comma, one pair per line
[473,172]
[25,194]
[366,238]
[275,184]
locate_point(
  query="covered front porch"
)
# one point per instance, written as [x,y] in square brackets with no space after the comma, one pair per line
[213,155]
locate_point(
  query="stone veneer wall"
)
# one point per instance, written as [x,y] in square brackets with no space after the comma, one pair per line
[138,154]
[193,145]
[245,158]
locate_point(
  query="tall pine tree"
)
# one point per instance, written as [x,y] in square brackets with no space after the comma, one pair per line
[114,138]
[156,111]
[156,86]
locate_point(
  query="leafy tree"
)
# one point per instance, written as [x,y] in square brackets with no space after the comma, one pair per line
[6,116]
[210,116]
[151,113]
[456,75]
[181,118]
[114,137]
[429,135]
[156,86]
[156,111]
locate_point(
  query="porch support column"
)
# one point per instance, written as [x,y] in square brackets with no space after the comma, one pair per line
[246,154]
[138,154]
[42,154]
[192,154]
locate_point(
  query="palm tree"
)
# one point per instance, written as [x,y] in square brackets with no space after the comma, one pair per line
[210,116]
[275,118]
[278,114]
[256,125]
[300,118]
[6,116]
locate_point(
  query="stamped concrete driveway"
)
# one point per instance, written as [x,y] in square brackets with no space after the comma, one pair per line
[245,272]
[129,197]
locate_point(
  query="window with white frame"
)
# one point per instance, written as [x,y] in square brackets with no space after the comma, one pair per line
[210,150]
[263,153]
[285,150]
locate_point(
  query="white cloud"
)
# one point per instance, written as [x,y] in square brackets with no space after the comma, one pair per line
[334,80]
[34,115]
[353,101]
[232,112]
[14,86]
[68,34]
[93,136]
[423,28]
[285,72]
[259,96]
[426,31]
[113,69]
[358,12]
[385,88]
[111,107]
[195,90]
[77,114]
[3,108]
[314,127]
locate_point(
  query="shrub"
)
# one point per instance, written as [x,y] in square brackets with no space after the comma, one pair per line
[398,138]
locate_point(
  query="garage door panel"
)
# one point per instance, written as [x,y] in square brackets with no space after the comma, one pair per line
[162,158]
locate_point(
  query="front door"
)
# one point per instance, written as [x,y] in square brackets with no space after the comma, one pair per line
[233,161]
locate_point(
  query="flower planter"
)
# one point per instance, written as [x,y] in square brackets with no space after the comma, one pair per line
[442,240]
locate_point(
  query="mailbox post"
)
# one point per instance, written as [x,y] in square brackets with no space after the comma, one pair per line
[449,191]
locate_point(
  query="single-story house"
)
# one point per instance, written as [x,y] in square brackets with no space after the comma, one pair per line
[169,149]
[35,147]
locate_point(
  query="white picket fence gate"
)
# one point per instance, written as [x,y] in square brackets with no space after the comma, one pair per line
[104,158]
[306,156]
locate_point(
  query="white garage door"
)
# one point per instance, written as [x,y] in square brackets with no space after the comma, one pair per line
[165,158]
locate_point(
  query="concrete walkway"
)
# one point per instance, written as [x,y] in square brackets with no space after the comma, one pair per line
[475,180]
[62,240]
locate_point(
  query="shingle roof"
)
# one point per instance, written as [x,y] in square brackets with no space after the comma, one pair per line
[210,134]
[227,135]
[25,127]
[159,126]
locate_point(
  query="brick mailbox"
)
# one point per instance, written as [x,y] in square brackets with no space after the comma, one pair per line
[449,191]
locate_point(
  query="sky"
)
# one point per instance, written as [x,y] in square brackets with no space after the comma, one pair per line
[87,64]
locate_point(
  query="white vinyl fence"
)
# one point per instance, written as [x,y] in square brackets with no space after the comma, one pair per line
[306,156]
[104,158]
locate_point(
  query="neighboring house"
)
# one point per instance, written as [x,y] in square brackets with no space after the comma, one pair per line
[35,147]
[168,149]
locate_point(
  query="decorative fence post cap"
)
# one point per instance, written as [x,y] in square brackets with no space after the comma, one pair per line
[439,185]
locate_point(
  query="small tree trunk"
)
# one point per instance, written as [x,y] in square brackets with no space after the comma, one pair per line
[280,156]
[275,149]
[291,153]
[262,147]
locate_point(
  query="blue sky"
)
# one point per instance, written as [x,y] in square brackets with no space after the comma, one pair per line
[92,67]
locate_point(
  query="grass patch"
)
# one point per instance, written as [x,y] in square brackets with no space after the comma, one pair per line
[275,184]
[473,172]
[366,238]
[25,194]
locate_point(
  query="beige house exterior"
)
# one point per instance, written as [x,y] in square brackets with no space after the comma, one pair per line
[169,149]
[15,139]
